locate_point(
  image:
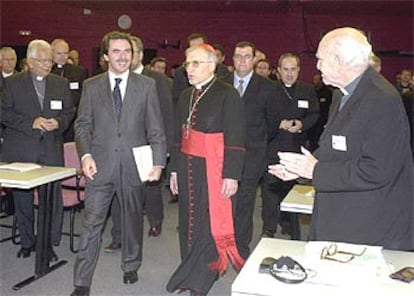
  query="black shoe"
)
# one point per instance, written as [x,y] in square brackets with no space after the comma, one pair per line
[268,233]
[51,255]
[80,291]
[130,277]
[154,231]
[112,247]
[24,252]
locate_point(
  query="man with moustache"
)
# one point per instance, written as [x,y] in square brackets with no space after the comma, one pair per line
[207,160]
[36,108]
[121,110]
[153,190]
[362,170]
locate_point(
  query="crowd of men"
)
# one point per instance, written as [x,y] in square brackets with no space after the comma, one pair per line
[223,131]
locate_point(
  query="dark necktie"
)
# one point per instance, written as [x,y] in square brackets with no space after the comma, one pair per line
[117,98]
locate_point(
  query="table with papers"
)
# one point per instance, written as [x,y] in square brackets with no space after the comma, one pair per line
[45,175]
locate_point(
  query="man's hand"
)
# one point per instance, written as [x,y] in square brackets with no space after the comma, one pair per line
[89,167]
[280,171]
[174,183]
[296,127]
[155,173]
[45,125]
[51,124]
[299,164]
[229,187]
[39,123]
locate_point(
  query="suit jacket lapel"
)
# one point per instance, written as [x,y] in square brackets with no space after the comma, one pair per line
[31,90]
[105,93]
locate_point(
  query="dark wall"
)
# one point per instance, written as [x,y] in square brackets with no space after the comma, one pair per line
[291,26]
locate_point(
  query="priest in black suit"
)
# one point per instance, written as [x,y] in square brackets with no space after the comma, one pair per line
[363,168]
[75,74]
[36,108]
[298,112]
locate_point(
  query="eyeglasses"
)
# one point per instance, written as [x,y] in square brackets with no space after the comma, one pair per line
[195,64]
[332,253]
[243,57]
[43,61]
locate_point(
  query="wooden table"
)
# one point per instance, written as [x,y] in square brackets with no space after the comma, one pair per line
[29,180]
[250,282]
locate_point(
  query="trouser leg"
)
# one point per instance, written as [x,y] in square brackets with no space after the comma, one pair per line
[131,204]
[116,220]
[97,203]
[271,201]
[23,203]
[154,204]
[243,218]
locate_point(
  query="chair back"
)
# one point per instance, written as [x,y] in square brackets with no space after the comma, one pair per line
[72,160]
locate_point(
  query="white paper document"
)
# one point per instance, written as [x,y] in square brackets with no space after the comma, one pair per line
[20,166]
[143,160]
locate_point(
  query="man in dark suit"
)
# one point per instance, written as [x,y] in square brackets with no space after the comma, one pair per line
[153,193]
[362,170]
[75,74]
[121,110]
[36,108]
[298,112]
[260,102]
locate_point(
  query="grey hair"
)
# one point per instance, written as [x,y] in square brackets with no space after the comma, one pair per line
[7,48]
[211,55]
[34,46]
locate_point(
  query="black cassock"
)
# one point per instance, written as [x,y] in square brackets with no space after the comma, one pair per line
[220,109]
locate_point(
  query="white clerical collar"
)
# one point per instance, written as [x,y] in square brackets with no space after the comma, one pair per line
[288,85]
[139,69]
[344,91]
[7,74]
[200,85]
[59,66]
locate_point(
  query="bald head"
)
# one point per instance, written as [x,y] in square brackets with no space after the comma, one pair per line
[343,54]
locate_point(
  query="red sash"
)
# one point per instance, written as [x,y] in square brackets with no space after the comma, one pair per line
[211,147]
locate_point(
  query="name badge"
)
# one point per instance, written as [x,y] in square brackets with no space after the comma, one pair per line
[303,104]
[73,85]
[339,143]
[323,100]
[55,105]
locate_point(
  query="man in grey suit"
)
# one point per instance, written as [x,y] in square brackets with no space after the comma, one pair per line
[363,168]
[119,110]
[36,108]
[153,194]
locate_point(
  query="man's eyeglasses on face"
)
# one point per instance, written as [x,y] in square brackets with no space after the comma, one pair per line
[195,64]
[246,57]
[332,253]
[43,61]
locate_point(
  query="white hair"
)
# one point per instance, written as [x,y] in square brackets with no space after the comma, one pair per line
[350,45]
[34,46]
